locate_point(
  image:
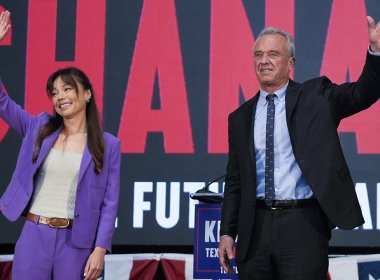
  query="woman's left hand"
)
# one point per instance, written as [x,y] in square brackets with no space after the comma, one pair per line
[95,264]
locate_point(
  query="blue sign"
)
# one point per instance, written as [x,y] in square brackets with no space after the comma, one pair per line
[206,241]
[369,270]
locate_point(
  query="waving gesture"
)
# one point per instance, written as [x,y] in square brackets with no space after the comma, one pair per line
[374,34]
[4,24]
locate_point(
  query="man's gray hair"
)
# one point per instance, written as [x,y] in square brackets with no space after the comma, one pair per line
[275,31]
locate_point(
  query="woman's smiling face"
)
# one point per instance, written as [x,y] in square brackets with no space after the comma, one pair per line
[67,101]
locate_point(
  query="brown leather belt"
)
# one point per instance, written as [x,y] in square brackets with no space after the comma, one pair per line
[52,222]
[286,204]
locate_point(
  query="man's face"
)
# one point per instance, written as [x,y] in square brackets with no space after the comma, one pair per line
[272,61]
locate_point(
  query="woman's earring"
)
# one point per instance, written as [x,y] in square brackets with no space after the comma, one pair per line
[88,100]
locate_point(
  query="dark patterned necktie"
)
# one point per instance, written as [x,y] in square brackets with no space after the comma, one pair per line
[269,152]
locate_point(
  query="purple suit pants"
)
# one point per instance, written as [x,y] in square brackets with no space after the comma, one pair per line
[45,253]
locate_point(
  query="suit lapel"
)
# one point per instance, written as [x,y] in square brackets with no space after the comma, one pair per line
[250,125]
[46,146]
[48,143]
[86,159]
[291,98]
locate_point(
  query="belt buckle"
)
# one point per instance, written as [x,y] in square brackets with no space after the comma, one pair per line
[275,207]
[56,218]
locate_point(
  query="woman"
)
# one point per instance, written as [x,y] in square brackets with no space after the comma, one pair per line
[66,181]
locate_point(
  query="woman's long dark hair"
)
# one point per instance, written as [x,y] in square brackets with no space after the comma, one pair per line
[95,141]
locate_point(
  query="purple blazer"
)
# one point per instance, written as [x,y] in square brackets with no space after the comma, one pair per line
[97,195]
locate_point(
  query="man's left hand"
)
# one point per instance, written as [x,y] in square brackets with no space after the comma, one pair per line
[374,34]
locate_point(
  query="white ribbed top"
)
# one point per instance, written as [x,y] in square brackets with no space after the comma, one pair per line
[55,185]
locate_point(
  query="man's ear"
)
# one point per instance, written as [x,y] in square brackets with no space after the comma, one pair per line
[292,63]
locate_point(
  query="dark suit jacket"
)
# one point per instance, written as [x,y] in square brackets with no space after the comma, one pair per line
[313,112]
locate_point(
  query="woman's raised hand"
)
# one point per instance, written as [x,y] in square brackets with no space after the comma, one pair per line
[4,23]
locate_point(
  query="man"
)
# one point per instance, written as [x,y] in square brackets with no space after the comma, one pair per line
[287,181]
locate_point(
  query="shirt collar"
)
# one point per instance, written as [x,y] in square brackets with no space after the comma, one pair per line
[280,93]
